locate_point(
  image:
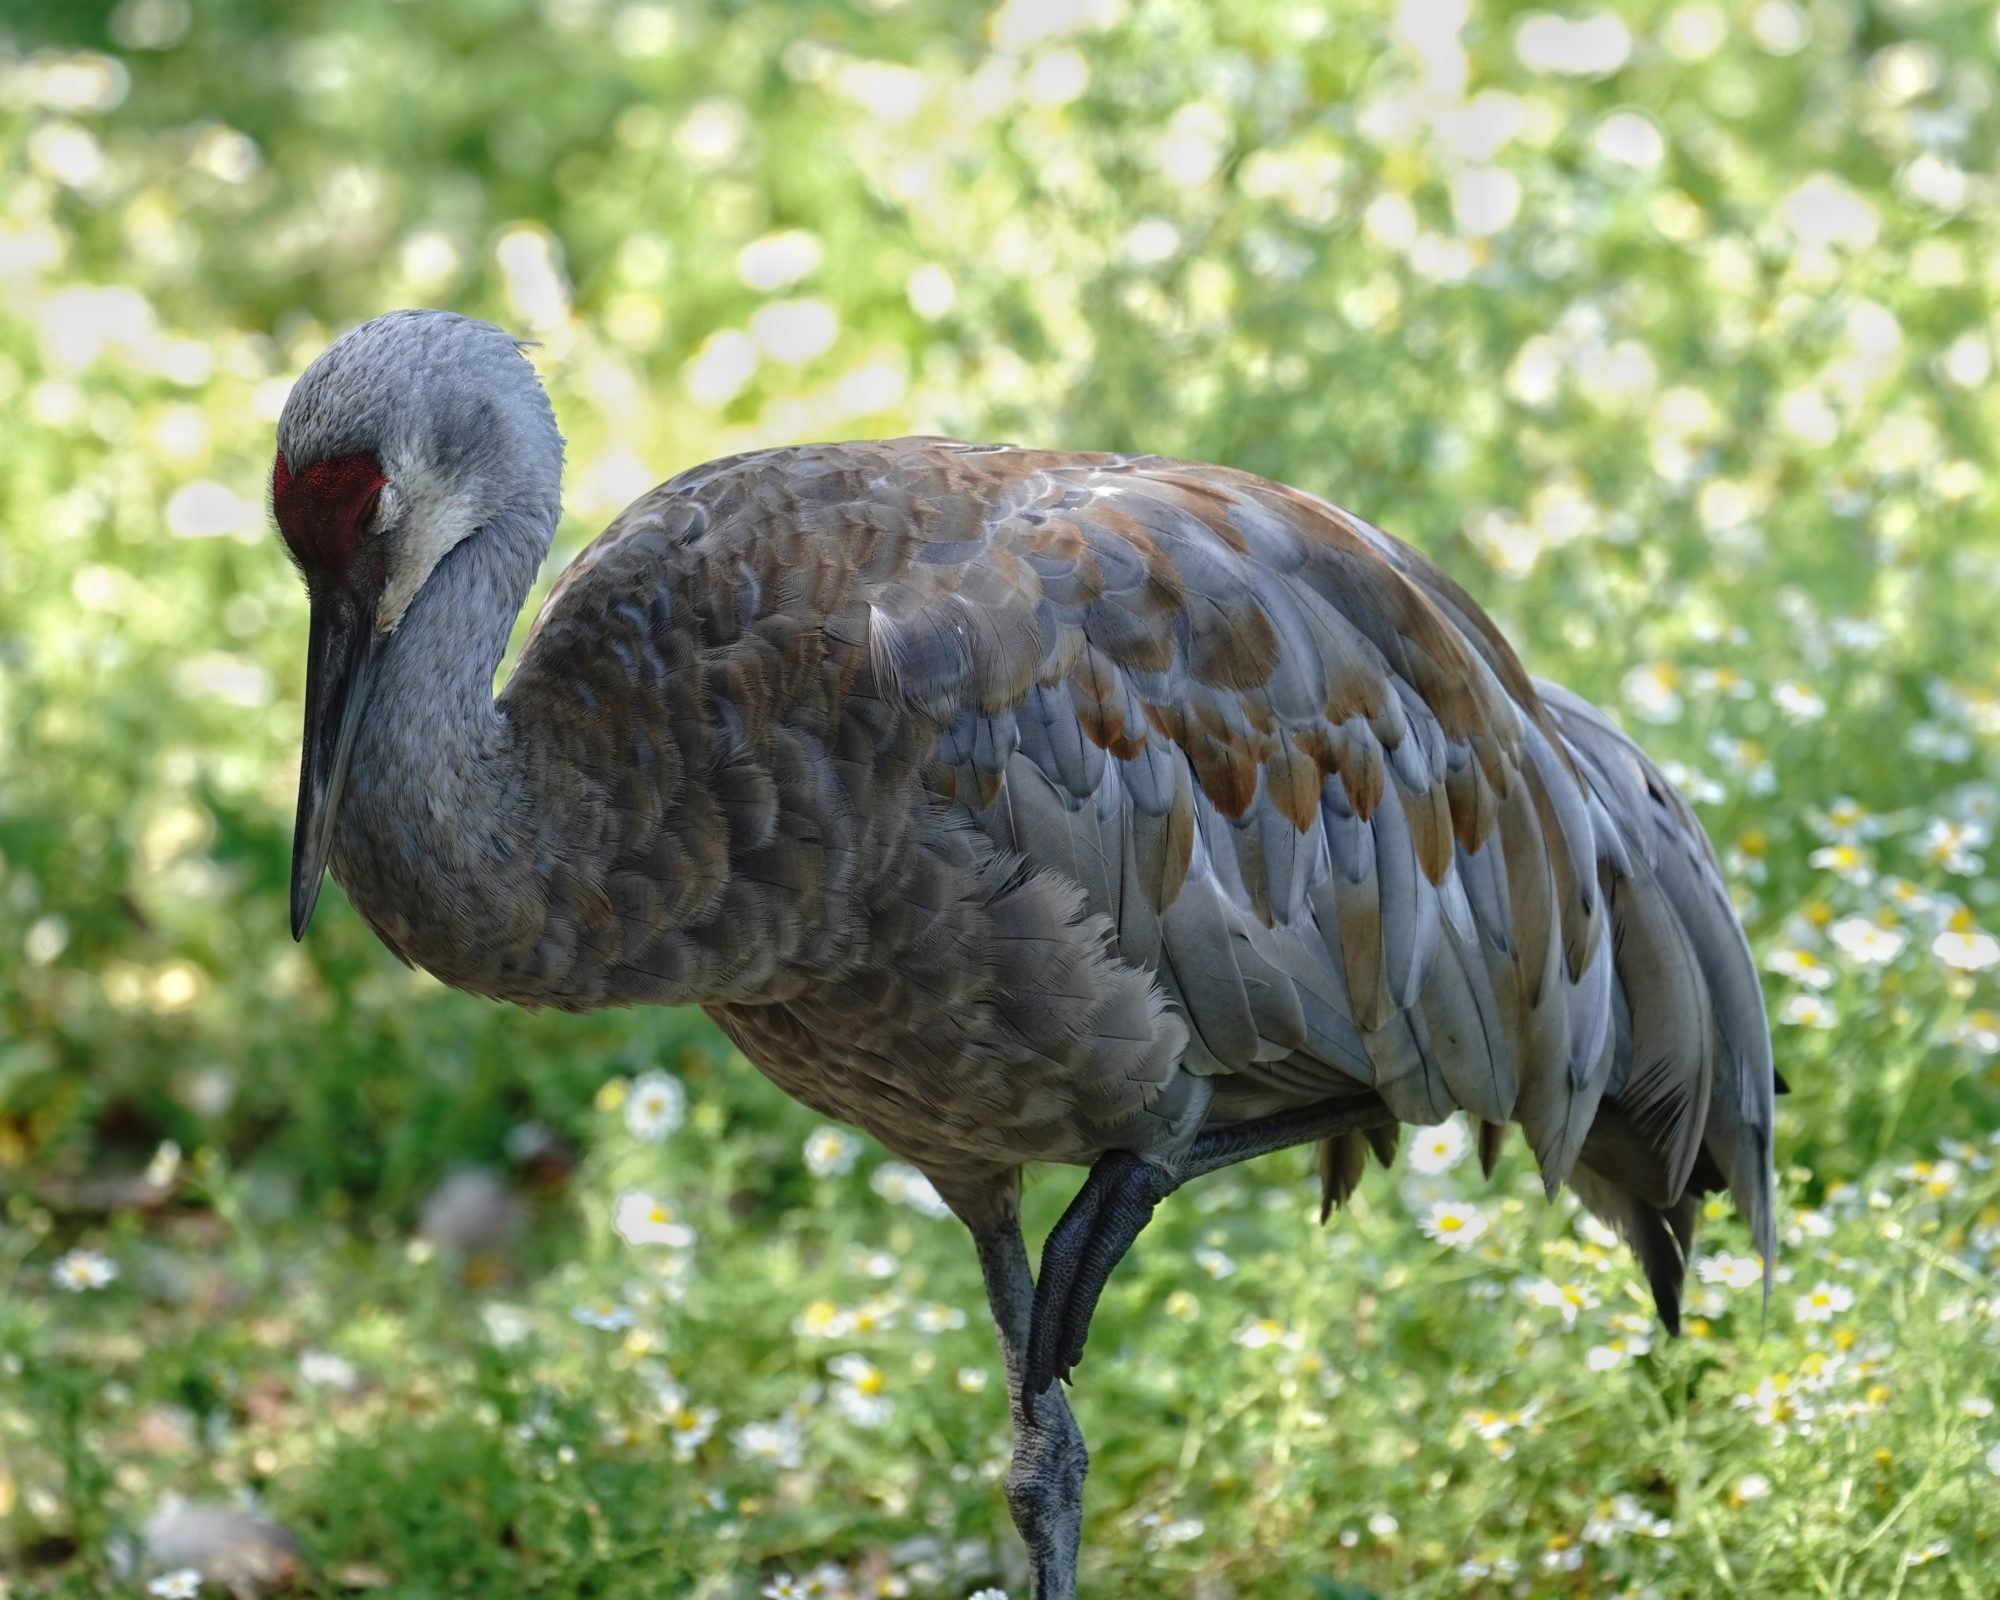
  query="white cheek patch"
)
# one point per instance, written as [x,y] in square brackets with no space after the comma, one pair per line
[430,530]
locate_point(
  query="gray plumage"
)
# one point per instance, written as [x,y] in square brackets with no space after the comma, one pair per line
[1012,805]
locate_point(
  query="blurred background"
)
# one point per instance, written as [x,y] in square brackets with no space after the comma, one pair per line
[1668,329]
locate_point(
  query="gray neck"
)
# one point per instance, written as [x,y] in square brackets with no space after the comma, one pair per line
[436,670]
[430,843]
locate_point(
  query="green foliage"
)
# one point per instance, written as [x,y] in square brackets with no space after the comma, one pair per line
[1671,336]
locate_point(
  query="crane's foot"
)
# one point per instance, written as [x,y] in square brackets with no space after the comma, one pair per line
[1045,1479]
[1109,1212]
[1045,1494]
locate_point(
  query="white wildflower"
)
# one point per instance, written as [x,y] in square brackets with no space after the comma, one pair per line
[1967,949]
[655,1105]
[606,1315]
[689,1428]
[901,1184]
[1808,1011]
[860,1395]
[1214,1262]
[1867,941]
[1801,966]
[1438,1149]
[1565,1299]
[1824,1302]
[642,1219]
[320,1370]
[1734,1272]
[780,1442]
[1798,702]
[831,1151]
[1454,1223]
[81,1270]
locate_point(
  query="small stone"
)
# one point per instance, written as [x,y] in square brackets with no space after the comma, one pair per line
[237,1552]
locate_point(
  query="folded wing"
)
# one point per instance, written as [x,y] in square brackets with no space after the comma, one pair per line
[1316,795]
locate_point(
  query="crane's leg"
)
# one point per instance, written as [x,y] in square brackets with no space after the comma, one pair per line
[1115,1204]
[1045,1479]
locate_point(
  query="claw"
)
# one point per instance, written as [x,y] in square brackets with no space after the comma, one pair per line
[1109,1212]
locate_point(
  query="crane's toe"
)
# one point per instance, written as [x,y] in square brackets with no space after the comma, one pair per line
[1109,1212]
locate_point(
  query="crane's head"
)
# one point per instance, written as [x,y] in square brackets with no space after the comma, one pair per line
[407,437]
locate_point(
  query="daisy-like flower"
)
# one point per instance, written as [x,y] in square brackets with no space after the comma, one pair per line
[1214,1262]
[1438,1149]
[1954,846]
[822,1319]
[901,1184]
[1844,859]
[1454,1223]
[1801,966]
[1964,946]
[183,1584]
[1823,1302]
[1563,1555]
[1797,701]
[1735,1272]
[80,1271]
[831,1151]
[1979,1031]
[1652,694]
[1262,1333]
[1565,1299]
[988,1593]
[934,1318]
[655,1105]
[1807,1011]
[1620,1515]
[1993,1461]
[1750,1488]
[1934,742]
[689,1428]
[1868,942]
[861,1393]
[318,1369]
[970,1380]
[872,1263]
[780,1442]
[1846,821]
[1938,1178]
[783,1587]
[1906,897]
[642,1219]
[607,1315]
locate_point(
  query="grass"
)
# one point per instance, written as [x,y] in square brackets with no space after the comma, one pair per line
[802,1383]
[1670,331]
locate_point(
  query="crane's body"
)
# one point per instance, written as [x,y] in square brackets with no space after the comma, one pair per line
[1016,807]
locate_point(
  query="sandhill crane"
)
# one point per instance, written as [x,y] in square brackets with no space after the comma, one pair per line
[1014,806]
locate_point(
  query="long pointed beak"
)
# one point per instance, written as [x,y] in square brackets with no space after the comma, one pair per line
[339,663]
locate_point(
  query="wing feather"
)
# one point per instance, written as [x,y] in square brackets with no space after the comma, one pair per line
[1316,796]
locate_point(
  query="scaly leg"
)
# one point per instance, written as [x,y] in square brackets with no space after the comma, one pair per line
[1115,1204]
[1045,1479]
